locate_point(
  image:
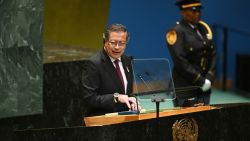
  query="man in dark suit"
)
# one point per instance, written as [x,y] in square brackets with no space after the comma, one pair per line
[191,48]
[107,78]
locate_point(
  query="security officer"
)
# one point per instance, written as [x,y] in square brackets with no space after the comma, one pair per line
[191,48]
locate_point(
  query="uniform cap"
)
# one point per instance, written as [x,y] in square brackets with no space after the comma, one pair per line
[192,4]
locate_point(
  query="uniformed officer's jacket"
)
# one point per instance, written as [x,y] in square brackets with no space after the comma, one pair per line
[193,54]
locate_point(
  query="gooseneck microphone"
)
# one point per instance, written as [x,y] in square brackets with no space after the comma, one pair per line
[154,98]
[144,82]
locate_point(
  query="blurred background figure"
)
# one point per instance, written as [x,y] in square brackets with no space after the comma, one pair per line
[191,48]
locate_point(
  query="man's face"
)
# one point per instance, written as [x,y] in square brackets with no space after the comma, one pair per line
[191,16]
[116,44]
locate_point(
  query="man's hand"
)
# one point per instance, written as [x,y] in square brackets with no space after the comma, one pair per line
[129,101]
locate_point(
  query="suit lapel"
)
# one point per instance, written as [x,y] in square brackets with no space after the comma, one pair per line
[128,72]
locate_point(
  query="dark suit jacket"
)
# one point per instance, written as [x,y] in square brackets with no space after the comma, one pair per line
[100,81]
[193,57]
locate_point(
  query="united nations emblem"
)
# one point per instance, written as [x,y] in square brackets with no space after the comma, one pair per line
[185,130]
[171,37]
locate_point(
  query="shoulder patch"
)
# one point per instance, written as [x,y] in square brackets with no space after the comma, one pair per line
[171,37]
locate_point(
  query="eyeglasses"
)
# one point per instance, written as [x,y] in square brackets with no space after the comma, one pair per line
[119,43]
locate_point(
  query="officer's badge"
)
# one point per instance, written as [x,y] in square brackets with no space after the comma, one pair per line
[171,37]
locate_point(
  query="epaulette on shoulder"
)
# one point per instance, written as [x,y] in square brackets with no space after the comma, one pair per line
[209,31]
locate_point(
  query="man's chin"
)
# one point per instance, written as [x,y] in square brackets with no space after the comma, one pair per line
[115,56]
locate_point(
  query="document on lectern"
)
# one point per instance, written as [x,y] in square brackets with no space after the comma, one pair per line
[153,81]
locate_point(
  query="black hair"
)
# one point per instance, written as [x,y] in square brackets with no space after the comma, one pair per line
[114,28]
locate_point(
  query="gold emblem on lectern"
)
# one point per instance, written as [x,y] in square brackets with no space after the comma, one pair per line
[185,130]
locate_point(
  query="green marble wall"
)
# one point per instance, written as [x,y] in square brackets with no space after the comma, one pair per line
[21,23]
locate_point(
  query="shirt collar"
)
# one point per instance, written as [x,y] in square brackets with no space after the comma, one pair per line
[193,26]
[112,59]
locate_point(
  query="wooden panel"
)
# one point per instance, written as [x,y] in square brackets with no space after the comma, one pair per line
[105,120]
[114,118]
[176,112]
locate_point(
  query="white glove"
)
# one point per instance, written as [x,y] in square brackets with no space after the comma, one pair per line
[206,86]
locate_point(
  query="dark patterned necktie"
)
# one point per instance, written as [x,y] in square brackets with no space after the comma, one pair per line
[118,71]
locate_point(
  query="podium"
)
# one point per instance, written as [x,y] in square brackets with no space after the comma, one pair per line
[62,119]
[226,122]
[115,119]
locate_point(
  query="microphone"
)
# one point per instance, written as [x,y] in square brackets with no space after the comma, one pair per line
[164,85]
[144,82]
[154,98]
